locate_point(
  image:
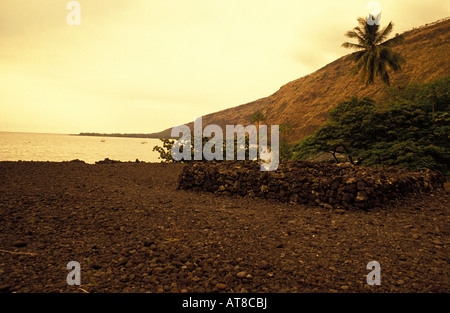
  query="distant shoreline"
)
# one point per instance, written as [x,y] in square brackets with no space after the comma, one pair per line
[154,136]
[78,161]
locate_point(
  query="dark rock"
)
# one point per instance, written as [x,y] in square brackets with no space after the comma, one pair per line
[148,242]
[361,196]
[5,288]
[96,266]
[360,185]
[19,244]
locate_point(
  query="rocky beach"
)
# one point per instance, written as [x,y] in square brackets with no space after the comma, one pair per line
[132,230]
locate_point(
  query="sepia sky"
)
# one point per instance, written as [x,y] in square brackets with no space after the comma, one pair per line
[147,65]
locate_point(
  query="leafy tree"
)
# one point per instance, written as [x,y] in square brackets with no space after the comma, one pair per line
[165,152]
[374,53]
[344,132]
[435,96]
[401,131]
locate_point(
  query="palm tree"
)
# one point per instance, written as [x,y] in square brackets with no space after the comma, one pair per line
[374,53]
[257,118]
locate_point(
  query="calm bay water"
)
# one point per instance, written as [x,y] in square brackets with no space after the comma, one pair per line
[62,147]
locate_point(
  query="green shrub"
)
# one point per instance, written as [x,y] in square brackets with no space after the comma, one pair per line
[401,131]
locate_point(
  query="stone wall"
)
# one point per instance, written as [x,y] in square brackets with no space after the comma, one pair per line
[330,185]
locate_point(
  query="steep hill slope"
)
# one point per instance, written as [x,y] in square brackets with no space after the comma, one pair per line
[306,101]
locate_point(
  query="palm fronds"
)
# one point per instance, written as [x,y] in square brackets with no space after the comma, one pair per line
[373,51]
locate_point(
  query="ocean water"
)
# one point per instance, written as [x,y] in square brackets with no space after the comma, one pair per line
[64,147]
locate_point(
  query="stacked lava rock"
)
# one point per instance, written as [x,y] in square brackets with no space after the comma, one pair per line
[330,185]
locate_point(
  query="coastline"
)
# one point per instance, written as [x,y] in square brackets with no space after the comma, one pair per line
[132,230]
